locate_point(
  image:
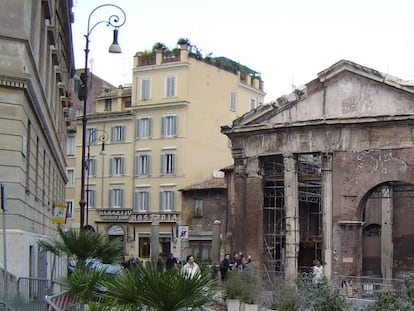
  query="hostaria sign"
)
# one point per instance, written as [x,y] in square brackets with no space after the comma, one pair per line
[130,216]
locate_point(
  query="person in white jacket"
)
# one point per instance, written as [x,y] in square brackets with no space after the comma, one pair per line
[317,272]
[191,268]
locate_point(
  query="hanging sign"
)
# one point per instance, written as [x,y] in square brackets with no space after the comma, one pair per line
[59,213]
[182,232]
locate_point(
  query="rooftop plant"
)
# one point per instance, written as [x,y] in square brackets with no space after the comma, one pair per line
[159,46]
[183,41]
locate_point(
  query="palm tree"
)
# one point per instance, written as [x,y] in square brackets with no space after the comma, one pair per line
[131,289]
[140,288]
[83,245]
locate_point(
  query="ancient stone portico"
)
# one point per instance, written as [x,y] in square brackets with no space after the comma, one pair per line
[327,173]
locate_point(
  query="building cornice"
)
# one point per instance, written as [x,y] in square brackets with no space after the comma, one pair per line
[252,89]
[161,66]
[124,115]
[160,105]
[334,122]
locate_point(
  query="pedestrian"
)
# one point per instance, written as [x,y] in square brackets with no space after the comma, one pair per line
[224,267]
[191,268]
[317,272]
[237,261]
[246,261]
[160,264]
[172,262]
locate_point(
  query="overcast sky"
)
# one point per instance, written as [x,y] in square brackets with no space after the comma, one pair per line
[288,41]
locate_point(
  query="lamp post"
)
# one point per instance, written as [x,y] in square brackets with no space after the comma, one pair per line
[92,139]
[115,21]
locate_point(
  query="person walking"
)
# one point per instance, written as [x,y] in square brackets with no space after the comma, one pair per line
[191,268]
[172,262]
[224,267]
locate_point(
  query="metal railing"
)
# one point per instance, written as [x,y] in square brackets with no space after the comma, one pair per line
[26,293]
[63,302]
[366,287]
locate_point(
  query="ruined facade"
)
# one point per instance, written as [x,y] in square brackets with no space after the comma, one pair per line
[327,173]
[204,211]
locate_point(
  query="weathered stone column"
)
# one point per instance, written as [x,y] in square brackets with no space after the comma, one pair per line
[327,213]
[292,217]
[215,245]
[155,240]
[386,232]
[253,213]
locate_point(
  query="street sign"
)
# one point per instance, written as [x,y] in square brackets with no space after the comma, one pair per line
[182,232]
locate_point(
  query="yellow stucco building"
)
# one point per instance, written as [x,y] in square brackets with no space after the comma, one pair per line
[160,135]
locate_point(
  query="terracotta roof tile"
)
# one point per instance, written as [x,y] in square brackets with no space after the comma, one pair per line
[213,183]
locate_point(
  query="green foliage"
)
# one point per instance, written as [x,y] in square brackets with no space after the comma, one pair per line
[85,283]
[148,55]
[305,296]
[183,41]
[283,298]
[159,46]
[160,290]
[243,285]
[319,296]
[391,301]
[84,244]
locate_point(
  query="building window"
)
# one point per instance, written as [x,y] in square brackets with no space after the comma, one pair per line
[198,208]
[141,200]
[117,166]
[128,103]
[118,133]
[70,172]
[232,101]
[169,126]
[170,86]
[69,209]
[144,247]
[145,89]
[116,197]
[143,165]
[91,135]
[143,128]
[108,104]
[91,167]
[167,200]
[252,103]
[168,163]
[90,197]
[70,146]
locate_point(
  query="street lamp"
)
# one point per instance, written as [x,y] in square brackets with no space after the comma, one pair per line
[115,21]
[92,139]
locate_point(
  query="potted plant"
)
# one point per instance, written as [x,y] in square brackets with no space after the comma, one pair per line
[184,43]
[159,46]
[242,287]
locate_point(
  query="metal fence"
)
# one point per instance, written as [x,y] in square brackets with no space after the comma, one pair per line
[25,293]
[359,287]
[366,287]
[64,301]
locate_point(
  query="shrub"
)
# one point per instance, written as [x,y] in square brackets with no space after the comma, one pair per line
[243,285]
[319,296]
[283,298]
